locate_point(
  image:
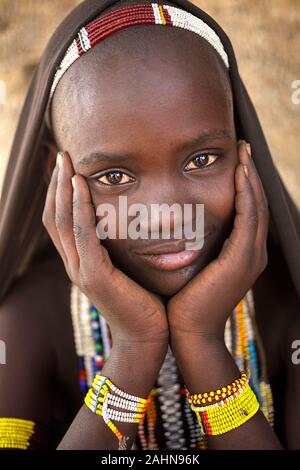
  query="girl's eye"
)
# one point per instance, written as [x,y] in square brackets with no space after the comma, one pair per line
[202,161]
[114,177]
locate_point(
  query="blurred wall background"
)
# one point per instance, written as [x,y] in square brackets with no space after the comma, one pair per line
[265,35]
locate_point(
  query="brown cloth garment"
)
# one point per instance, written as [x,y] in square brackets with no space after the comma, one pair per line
[23,237]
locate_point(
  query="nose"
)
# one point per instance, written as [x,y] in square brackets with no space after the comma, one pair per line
[173,220]
[170,206]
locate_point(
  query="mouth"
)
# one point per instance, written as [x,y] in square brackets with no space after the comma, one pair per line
[172,257]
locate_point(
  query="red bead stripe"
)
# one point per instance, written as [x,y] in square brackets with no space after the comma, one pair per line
[99,29]
[101,35]
[104,26]
[127,12]
[120,19]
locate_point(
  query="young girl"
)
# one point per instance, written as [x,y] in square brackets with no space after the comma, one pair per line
[174,348]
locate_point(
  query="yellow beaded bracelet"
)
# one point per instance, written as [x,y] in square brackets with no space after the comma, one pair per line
[229,413]
[16,433]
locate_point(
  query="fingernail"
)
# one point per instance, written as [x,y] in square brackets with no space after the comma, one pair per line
[248,148]
[59,158]
[73,181]
[246,170]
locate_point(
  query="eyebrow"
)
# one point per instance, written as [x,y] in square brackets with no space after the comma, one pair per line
[96,156]
[208,134]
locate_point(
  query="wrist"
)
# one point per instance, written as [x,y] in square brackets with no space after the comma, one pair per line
[134,367]
[204,361]
[136,349]
[197,332]
[135,346]
[158,339]
[195,343]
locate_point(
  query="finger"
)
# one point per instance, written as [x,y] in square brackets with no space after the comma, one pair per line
[92,255]
[243,235]
[64,211]
[260,197]
[48,217]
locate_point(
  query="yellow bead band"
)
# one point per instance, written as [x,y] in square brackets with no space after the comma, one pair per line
[15,433]
[229,413]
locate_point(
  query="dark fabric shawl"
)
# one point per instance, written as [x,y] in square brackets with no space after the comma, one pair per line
[22,235]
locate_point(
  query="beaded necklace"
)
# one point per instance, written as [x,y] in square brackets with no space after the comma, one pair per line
[169,422]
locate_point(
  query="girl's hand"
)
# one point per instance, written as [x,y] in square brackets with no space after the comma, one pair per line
[202,307]
[133,313]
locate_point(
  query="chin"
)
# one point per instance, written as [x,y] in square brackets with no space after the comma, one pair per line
[167,291]
[166,283]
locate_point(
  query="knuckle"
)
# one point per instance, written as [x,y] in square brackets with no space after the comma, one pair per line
[260,265]
[80,204]
[253,220]
[76,203]
[45,218]
[81,240]
[77,231]
[85,282]
[61,221]
[82,232]
[44,222]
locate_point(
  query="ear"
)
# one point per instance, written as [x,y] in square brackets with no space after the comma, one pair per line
[50,151]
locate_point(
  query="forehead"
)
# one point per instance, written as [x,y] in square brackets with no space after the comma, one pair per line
[135,81]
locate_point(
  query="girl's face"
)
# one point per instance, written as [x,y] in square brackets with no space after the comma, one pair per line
[133,119]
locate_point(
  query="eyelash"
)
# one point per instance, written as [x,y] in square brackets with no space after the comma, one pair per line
[191,161]
[205,154]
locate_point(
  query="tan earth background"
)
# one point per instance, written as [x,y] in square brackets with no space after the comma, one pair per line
[265,35]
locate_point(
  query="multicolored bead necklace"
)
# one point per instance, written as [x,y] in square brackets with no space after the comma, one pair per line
[160,428]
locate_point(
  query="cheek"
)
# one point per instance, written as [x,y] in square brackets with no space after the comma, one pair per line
[219,212]
[223,198]
[218,196]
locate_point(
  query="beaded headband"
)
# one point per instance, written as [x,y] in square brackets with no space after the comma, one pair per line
[121,18]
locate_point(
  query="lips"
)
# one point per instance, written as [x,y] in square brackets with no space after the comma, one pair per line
[170,256]
[171,261]
[164,248]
